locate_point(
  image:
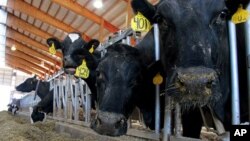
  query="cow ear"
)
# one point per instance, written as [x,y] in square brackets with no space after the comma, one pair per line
[54,41]
[233,5]
[144,7]
[92,45]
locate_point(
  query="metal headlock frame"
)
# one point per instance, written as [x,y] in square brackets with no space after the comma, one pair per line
[69,94]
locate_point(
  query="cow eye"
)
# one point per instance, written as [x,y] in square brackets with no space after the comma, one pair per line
[220,18]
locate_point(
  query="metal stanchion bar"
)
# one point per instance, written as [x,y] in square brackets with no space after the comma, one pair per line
[157,88]
[234,74]
[167,119]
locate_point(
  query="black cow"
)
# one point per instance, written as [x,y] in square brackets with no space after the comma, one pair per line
[123,82]
[13,108]
[45,106]
[75,50]
[194,55]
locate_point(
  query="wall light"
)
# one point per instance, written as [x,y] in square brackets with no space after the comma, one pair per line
[13,48]
[98,4]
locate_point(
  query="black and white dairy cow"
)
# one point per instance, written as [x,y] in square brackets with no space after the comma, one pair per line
[194,56]
[45,106]
[13,108]
[75,50]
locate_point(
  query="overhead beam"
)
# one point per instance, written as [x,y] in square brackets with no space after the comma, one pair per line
[25,49]
[28,9]
[22,68]
[26,63]
[17,64]
[16,22]
[27,58]
[17,68]
[18,36]
[78,9]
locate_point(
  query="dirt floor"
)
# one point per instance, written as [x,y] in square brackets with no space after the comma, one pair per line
[16,128]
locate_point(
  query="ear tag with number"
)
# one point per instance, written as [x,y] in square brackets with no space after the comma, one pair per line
[240,16]
[157,80]
[140,23]
[91,50]
[82,70]
[52,49]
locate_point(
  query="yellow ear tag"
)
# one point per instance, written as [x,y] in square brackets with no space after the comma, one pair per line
[82,70]
[240,16]
[157,80]
[91,50]
[52,49]
[140,23]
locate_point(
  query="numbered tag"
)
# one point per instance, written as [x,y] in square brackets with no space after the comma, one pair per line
[82,71]
[140,23]
[240,16]
[52,49]
[157,80]
[91,50]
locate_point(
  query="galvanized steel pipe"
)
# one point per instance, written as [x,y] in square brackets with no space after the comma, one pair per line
[234,74]
[157,87]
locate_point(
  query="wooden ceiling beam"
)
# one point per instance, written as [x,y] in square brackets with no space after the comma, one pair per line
[27,50]
[24,62]
[78,9]
[27,57]
[17,68]
[16,22]
[18,36]
[18,64]
[28,9]
[23,69]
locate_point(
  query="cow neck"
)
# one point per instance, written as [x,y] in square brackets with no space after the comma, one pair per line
[37,86]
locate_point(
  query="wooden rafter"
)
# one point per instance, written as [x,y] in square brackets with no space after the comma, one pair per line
[17,68]
[25,67]
[21,37]
[24,62]
[25,49]
[27,58]
[78,9]
[28,9]
[16,22]
[22,68]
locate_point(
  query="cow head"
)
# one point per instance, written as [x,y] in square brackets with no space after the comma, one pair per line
[194,50]
[74,50]
[36,115]
[28,85]
[117,81]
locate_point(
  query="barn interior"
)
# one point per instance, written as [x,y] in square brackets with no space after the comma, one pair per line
[25,26]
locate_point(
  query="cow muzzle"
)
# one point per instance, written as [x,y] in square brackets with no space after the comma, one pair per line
[195,84]
[69,65]
[111,124]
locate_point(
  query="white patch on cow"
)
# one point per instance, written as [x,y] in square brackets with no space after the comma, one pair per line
[31,110]
[73,36]
[45,117]
[14,109]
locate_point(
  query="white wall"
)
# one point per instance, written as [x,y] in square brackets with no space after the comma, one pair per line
[4,96]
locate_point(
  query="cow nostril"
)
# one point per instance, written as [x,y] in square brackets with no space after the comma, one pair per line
[209,84]
[119,123]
